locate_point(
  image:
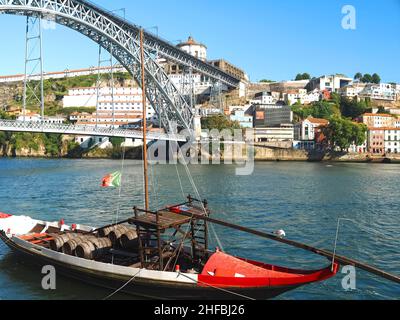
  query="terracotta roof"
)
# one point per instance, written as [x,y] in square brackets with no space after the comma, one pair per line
[318,120]
[190,42]
[385,128]
[376,128]
[377,115]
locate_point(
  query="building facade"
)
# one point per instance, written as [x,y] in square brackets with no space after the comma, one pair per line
[245,120]
[34,117]
[376,141]
[378,120]
[308,129]
[266,116]
[115,107]
[392,140]
[274,134]
[331,83]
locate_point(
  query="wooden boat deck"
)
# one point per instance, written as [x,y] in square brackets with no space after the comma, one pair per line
[165,219]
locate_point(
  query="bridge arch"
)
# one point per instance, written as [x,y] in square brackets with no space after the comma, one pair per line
[121,42]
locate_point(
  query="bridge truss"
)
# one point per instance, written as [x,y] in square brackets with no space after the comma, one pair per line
[42,127]
[121,37]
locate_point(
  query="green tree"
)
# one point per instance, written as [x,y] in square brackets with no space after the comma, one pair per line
[53,144]
[358,76]
[342,133]
[4,115]
[117,142]
[220,122]
[266,81]
[324,109]
[376,78]
[367,78]
[352,108]
[320,109]
[304,76]
[381,109]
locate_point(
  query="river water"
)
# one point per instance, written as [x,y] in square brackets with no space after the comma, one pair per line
[304,199]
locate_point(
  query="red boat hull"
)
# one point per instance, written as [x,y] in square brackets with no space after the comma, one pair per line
[208,287]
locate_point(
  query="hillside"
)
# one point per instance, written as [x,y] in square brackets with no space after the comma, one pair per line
[11,94]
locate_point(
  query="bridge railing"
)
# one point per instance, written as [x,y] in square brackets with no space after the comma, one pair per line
[45,127]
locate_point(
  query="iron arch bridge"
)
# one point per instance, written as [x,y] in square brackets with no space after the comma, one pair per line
[122,39]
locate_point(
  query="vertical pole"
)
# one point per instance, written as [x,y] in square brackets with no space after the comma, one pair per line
[33,33]
[98,87]
[160,251]
[191,88]
[144,107]
[139,234]
[193,234]
[112,85]
[26,69]
[41,71]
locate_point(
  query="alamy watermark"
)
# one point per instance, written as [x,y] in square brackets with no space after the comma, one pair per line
[49,279]
[349,21]
[231,147]
[349,282]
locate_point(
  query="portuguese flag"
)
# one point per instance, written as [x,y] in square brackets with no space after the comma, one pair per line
[112,180]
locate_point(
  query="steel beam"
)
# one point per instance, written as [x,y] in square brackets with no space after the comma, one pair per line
[82,130]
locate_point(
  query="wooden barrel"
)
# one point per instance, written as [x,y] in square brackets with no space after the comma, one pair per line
[58,240]
[70,246]
[129,240]
[93,249]
[116,234]
[106,231]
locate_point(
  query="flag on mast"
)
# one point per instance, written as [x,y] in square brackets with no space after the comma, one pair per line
[112,180]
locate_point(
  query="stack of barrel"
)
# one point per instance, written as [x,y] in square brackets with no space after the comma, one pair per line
[90,246]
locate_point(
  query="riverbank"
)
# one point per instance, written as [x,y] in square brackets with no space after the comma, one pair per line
[271,154]
[260,154]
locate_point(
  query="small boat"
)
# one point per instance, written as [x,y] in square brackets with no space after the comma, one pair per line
[133,257]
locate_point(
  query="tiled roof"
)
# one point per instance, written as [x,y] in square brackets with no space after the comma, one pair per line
[318,121]
[377,115]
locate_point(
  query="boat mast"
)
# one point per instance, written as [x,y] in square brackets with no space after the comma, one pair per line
[144,104]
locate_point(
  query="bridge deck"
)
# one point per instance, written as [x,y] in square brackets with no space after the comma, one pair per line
[39,127]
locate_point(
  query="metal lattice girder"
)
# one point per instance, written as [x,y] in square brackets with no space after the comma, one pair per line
[82,130]
[86,19]
[170,52]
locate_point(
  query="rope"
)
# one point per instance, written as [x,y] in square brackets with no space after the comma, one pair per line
[120,186]
[122,287]
[217,288]
[191,180]
[119,193]
[180,180]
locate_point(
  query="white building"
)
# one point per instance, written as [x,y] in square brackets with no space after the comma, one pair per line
[302,96]
[382,91]
[264,98]
[34,117]
[330,83]
[245,120]
[274,134]
[307,129]
[352,90]
[194,48]
[392,140]
[378,120]
[116,107]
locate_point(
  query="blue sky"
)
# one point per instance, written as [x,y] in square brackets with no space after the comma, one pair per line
[268,39]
